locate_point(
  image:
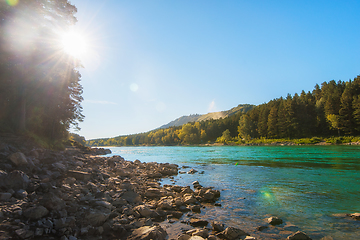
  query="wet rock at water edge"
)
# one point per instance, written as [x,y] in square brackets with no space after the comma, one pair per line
[217,226]
[195,222]
[274,221]
[192,171]
[232,233]
[298,236]
[355,216]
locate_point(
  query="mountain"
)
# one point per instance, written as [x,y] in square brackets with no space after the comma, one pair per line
[203,117]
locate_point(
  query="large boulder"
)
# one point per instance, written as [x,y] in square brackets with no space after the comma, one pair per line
[18,159]
[36,212]
[148,233]
[16,180]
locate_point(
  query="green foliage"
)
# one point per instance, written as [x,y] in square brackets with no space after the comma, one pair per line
[40,90]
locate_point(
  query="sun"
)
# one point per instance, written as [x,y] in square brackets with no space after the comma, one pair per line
[74,44]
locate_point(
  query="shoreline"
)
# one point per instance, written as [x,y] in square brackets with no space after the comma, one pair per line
[71,195]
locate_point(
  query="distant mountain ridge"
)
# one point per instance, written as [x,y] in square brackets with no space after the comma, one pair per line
[203,117]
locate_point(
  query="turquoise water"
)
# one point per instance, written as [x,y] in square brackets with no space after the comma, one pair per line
[303,185]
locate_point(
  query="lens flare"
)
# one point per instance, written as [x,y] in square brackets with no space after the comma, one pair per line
[12,2]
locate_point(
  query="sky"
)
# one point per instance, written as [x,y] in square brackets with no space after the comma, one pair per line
[150,62]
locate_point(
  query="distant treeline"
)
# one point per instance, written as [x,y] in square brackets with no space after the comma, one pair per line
[332,109]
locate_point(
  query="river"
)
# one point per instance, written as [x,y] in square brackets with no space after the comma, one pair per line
[309,187]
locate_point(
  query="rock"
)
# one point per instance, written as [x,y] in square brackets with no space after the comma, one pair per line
[59,166]
[189,199]
[17,180]
[5,196]
[70,180]
[64,222]
[144,211]
[96,218]
[274,221]
[196,209]
[298,236]
[165,204]
[217,226]
[261,228]
[249,238]
[212,237]
[355,216]
[153,193]
[147,233]
[18,159]
[184,237]
[52,202]
[195,222]
[131,197]
[104,204]
[21,194]
[83,176]
[23,233]
[201,232]
[192,171]
[196,238]
[36,212]
[232,233]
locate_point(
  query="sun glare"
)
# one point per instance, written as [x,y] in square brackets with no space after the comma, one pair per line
[74,44]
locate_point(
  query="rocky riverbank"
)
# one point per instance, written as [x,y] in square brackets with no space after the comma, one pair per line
[72,194]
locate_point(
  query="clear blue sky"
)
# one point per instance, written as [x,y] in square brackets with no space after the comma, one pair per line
[154,61]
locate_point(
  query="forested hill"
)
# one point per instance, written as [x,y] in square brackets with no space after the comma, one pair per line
[332,109]
[203,117]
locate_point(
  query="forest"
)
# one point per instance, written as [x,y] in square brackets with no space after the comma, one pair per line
[332,109]
[40,92]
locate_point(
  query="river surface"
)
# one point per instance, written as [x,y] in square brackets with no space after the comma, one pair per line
[309,187]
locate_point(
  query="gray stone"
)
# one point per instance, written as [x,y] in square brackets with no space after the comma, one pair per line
[5,196]
[53,202]
[83,176]
[184,237]
[153,193]
[274,221]
[298,236]
[17,180]
[217,226]
[96,218]
[59,166]
[23,233]
[36,212]
[195,222]
[232,233]
[131,197]
[201,232]
[20,194]
[18,159]
[144,211]
[196,238]
[147,233]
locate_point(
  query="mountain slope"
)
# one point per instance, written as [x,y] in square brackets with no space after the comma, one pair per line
[214,115]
